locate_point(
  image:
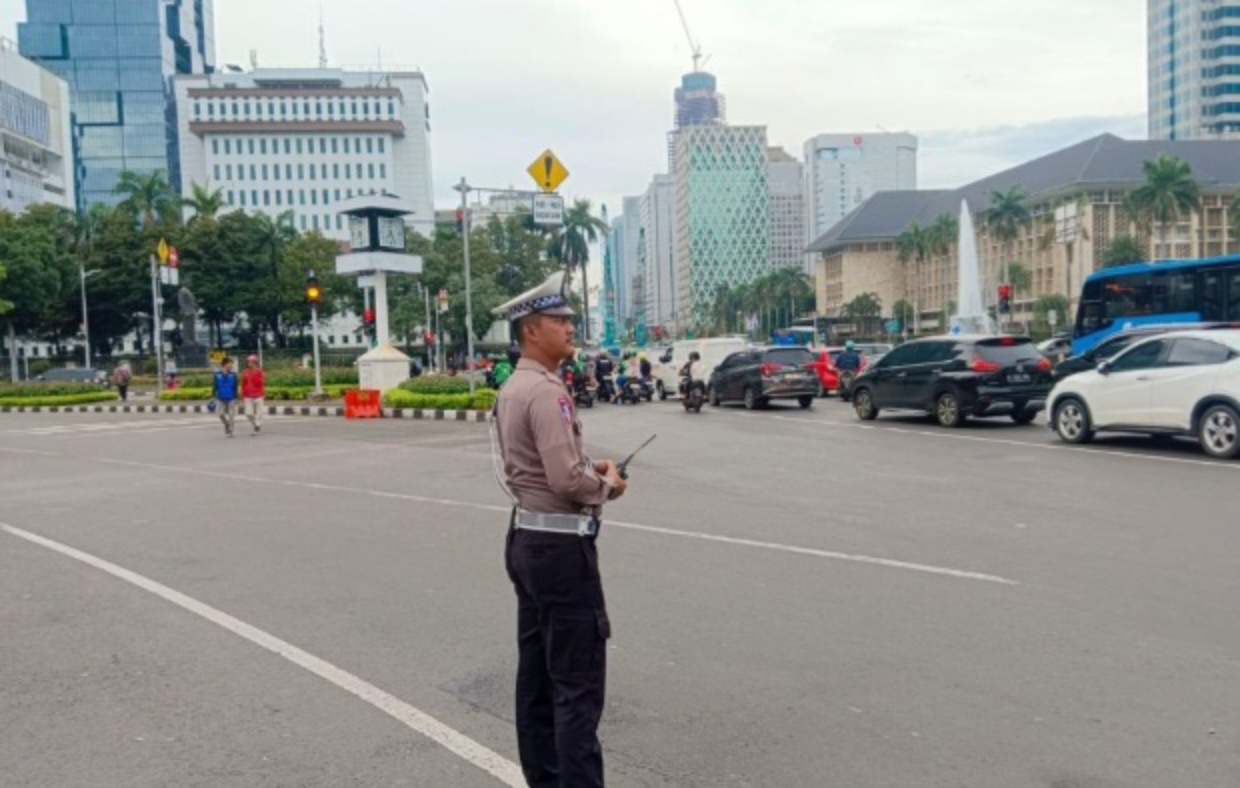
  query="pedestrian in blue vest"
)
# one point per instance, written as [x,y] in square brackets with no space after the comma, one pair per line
[224,390]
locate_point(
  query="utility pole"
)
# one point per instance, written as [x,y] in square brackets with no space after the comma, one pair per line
[85,314]
[426,328]
[156,334]
[463,188]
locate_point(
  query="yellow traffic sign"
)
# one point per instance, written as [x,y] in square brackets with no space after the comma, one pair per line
[162,251]
[547,171]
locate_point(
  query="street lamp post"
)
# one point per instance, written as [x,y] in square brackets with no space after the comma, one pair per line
[84,275]
[156,334]
[463,188]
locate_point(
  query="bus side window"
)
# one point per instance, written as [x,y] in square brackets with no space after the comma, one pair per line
[1212,296]
[1233,294]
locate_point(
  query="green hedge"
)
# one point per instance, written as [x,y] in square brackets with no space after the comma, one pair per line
[399,398]
[289,378]
[48,389]
[436,384]
[272,393]
[53,400]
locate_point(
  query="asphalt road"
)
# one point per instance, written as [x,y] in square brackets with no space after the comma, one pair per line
[797,599]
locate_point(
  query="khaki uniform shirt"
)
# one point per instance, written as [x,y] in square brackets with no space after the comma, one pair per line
[540,436]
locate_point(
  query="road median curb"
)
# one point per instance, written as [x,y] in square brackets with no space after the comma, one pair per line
[330,411]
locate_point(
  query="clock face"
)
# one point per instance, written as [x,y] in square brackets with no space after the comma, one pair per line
[392,233]
[359,233]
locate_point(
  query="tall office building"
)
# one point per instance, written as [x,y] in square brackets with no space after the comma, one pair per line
[1194,76]
[722,225]
[302,140]
[786,210]
[118,57]
[844,170]
[698,102]
[657,253]
[36,139]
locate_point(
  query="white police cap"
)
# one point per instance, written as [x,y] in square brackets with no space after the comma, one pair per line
[549,298]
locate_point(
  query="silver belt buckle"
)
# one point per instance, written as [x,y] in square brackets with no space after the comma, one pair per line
[588,526]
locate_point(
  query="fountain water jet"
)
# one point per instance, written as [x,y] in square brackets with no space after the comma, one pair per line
[971,316]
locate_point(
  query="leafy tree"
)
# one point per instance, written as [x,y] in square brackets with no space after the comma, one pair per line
[903,311]
[205,203]
[303,254]
[149,196]
[571,246]
[865,310]
[1045,305]
[1005,219]
[1020,277]
[1122,250]
[38,276]
[915,244]
[1168,194]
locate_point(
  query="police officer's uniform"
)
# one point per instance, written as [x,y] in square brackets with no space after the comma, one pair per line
[551,557]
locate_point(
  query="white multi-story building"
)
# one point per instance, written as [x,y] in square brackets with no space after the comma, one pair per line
[303,140]
[657,251]
[1194,69]
[842,171]
[786,209]
[36,135]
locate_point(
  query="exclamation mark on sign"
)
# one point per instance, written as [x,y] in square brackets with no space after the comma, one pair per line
[548,162]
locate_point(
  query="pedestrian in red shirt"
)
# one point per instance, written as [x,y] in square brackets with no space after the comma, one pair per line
[252,390]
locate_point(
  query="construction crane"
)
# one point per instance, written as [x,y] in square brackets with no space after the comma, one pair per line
[694,46]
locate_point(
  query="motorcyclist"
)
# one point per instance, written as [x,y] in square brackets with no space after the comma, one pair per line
[691,372]
[850,359]
[645,368]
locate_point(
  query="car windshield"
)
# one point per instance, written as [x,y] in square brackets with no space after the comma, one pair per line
[789,357]
[1008,350]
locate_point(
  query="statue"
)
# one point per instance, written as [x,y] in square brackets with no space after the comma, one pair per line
[190,354]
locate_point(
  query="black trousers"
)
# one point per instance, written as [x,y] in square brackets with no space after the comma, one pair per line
[562,632]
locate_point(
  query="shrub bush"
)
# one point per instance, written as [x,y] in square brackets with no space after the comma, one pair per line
[399,398]
[48,389]
[272,393]
[436,384]
[285,378]
[52,400]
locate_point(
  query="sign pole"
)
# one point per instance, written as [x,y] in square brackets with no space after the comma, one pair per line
[156,339]
[314,331]
[463,188]
[85,314]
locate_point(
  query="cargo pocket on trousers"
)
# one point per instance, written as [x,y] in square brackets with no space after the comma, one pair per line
[578,643]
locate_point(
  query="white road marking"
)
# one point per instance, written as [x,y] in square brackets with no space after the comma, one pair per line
[415,719]
[736,541]
[28,451]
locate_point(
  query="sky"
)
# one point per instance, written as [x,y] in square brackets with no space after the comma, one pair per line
[986,84]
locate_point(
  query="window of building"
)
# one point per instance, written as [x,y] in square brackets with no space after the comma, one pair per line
[275,171]
[271,108]
[301,172]
[342,108]
[283,110]
[215,147]
[339,222]
[382,170]
[331,339]
[366,109]
[262,147]
[370,145]
[245,106]
[391,109]
[279,197]
[359,171]
[258,108]
[331,109]
[323,171]
[197,110]
[242,192]
[228,171]
[231,201]
[306,106]
[253,172]
[254,197]
[357,144]
[288,144]
[210,109]
[322,145]
[333,144]
[314,197]
[370,171]
[264,172]
[325,200]
[251,145]
[318,109]
[290,196]
[336,195]
[217,172]
[327,221]
[381,145]
[241,172]
[228,146]
[349,194]
[294,103]
[313,170]
[316,221]
[354,113]
[346,143]
[288,172]
[266,197]
[348,171]
[336,171]
[299,145]
[303,221]
[236,110]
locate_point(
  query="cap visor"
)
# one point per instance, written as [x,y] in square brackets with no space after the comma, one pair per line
[558,311]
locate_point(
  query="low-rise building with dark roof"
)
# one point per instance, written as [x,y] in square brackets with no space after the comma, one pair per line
[1090,180]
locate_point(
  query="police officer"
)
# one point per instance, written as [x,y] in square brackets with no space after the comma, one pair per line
[551,556]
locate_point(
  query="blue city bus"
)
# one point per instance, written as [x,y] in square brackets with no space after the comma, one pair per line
[1174,291]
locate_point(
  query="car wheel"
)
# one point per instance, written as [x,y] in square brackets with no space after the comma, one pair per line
[947,410]
[662,390]
[1024,416]
[863,404]
[713,396]
[805,402]
[750,399]
[1072,422]
[1219,432]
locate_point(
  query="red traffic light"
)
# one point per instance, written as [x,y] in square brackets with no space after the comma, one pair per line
[368,316]
[1005,291]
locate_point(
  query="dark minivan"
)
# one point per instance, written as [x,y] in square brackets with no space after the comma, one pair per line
[954,377]
[759,375]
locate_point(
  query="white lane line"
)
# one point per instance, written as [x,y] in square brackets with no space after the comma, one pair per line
[705,537]
[1003,442]
[29,451]
[415,719]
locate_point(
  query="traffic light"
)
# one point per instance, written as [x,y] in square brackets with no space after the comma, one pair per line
[368,322]
[1005,298]
[314,293]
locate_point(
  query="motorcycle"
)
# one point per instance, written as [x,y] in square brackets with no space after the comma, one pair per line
[631,391]
[646,388]
[583,395]
[692,395]
[606,389]
[847,378]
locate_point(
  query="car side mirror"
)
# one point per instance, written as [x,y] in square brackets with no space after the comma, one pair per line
[1104,368]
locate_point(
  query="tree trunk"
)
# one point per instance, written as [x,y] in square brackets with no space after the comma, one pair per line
[585,302]
[12,352]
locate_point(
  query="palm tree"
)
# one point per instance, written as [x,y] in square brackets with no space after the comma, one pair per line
[148,195]
[915,243]
[1020,277]
[1122,250]
[205,203]
[1006,217]
[571,246]
[273,236]
[1169,192]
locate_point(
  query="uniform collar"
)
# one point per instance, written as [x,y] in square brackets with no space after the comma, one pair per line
[532,365]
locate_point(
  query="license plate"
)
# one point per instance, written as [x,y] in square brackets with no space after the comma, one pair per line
[1019,377]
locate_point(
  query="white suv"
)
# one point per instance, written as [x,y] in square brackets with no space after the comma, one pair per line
[1181,383]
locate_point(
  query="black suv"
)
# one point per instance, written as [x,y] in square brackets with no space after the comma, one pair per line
[1112,345]
[953,377]
[759,375]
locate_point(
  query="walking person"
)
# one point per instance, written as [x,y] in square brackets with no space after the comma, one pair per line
[253,388]
[224,391]
[551,556]
[121,376]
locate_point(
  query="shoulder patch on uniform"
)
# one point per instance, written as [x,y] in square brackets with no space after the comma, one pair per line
[566,410]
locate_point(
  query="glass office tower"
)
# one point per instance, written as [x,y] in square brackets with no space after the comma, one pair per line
[118,57]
